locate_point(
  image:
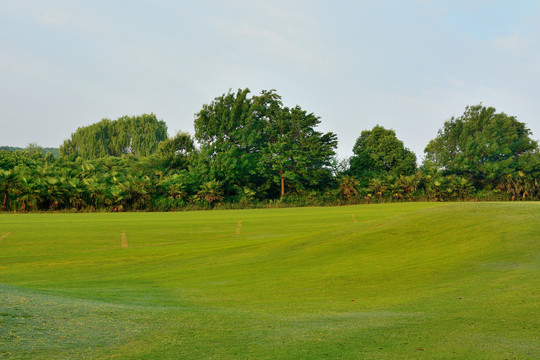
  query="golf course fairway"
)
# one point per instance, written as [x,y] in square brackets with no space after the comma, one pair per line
[388,281]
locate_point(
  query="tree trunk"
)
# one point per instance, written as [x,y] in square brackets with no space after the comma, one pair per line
[4,200]
[282,183]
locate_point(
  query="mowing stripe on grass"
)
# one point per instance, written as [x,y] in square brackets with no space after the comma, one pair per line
[220,236]
[238,227]
[455,280]
[160,244]
[4,236]
[124,243]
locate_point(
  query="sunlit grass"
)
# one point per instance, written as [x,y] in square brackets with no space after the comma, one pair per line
[396,281]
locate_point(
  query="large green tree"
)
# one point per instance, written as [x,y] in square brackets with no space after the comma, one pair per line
[295,151]
[482,145]
[229,132]
[378,152]
[254,141]
[137,135]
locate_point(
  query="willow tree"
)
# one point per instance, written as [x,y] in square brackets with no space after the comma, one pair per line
[137,135]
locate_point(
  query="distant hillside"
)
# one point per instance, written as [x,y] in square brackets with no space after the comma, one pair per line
[53,151]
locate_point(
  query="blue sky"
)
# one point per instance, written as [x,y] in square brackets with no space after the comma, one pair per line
[406,65]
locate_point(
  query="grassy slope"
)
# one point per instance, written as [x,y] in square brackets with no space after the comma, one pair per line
[372,281]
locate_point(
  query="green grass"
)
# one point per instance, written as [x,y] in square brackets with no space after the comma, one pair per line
[392,281]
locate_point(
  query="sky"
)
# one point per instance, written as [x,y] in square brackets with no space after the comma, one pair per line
[407,65]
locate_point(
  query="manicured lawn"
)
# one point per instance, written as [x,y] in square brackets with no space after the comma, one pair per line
[392,281]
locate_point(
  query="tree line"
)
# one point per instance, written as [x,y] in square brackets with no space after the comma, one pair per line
[34,147]
[255,152]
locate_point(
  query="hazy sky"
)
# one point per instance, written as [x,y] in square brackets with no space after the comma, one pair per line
[406,65]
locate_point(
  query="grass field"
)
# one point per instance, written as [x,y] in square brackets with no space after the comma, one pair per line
[393,281]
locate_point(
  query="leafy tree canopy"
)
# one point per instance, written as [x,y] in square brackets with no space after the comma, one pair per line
[228,130]
[295,151]
[31,148]
[177,150]
[137,135]
[482,145]
[255,141]
[379,152]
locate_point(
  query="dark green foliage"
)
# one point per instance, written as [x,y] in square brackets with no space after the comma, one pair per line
[9,159]
[255,141]
[10,148]
[137,135]
[8,180]
[180,145]
[175,152]
[129,183]
[32,147]
[378,152]
[482,145]
[229,133]
[295,151]
[257,153]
